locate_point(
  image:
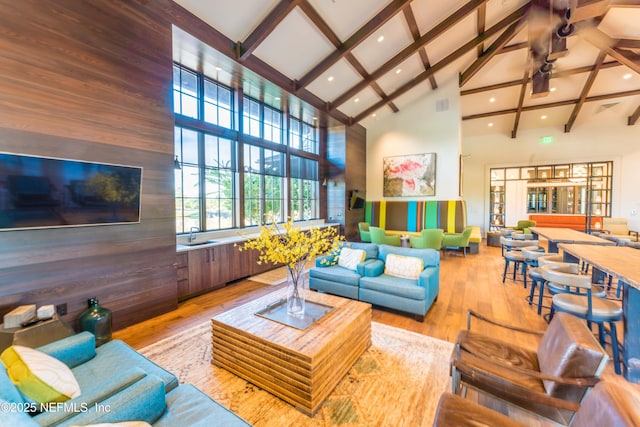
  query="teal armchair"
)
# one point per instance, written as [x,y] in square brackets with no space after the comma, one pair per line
[365,235]
[379,237]
[458,240]
[429,239]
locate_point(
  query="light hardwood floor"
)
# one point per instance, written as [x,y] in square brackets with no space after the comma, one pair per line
[474,282]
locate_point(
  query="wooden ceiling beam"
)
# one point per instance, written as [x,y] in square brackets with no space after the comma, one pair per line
[352,42]
[627,44]
[481,22]
[415,33]
[558,74]
[594,98]
[495,47]
[449,59]
[634,117]
[513,47]
[375,86]
[326,30]
[605,43]
[523,91]
[266,27]
[436,31]
[207,35]
[585,91]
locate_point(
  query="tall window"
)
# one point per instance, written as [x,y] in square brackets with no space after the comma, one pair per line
[304,188]
[187,180]
[219,180]
[205,184]
[185,92]
[303,136]
[207,139]
[251,117]
[217,104]
[264,173]
[272,125]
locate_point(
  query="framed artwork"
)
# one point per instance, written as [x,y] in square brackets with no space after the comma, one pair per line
[412,175]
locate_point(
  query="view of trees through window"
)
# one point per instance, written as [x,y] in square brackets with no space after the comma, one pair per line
[209,174]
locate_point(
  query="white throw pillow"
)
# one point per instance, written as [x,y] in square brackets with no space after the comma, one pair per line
[350,258]
[38,376]
[407,267]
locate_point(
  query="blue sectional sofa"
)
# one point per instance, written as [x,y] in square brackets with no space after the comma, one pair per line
[118,384]
[369,282]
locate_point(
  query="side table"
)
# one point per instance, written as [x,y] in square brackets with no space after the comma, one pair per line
[35,335]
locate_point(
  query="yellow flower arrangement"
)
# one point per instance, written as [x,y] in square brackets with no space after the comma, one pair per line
[289,244]
[292,246]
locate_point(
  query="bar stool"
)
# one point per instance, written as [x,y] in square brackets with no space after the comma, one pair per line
[512,253]
[581,303]
[531,255]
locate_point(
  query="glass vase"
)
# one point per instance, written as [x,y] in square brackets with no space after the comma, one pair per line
[97,320]
[296,289]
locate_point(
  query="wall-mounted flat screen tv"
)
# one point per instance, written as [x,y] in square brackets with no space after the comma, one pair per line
[44,192]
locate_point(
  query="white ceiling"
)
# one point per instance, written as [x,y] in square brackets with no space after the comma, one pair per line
[297,44]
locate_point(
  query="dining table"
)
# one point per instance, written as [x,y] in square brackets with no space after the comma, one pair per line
[556,236]
[623,264]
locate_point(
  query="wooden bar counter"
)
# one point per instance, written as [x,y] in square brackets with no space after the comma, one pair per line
[623,263]
[301,367]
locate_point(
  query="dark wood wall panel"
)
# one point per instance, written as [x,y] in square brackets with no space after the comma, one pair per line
[91,81]
[346,157]
[356,175]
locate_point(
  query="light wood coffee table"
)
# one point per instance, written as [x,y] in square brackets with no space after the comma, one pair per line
[299,366]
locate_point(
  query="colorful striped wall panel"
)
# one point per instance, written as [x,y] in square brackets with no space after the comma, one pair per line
[450,215]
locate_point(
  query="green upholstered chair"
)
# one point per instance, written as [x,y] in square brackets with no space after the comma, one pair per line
[458,240]
[429,238]
[524,224]
[379,237]
[365,236]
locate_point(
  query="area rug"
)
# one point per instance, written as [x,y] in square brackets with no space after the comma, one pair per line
[396,382]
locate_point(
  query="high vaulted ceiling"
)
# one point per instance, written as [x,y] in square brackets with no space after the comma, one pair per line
[355,61]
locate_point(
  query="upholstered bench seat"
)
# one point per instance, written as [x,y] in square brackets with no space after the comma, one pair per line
[336,280]
[392,285]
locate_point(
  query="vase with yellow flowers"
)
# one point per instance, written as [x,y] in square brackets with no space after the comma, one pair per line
[290,245]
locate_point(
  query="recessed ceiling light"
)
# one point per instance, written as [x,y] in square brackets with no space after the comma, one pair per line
[277,98]
[490,125]
[399,70]
[373,115]
[330,78]
[356,100]
[380,39]
[553,89]
[543,117]
[492,99]
[218,69]
[627,76]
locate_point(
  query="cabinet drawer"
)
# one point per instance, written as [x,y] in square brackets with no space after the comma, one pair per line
[182,273]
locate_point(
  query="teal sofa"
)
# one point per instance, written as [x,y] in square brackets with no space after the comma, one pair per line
[329,277]
[369,283]
[118,384]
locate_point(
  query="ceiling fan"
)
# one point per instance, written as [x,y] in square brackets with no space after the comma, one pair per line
[550,22]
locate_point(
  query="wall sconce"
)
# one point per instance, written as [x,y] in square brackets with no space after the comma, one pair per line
[324,183]
[176,164]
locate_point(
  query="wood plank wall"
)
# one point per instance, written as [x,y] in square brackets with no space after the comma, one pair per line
[91,81]
[346,145]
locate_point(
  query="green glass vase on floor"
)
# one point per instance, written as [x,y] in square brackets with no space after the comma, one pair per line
[97,320]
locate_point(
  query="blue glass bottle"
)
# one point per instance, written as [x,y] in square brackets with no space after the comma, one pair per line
[97,320]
